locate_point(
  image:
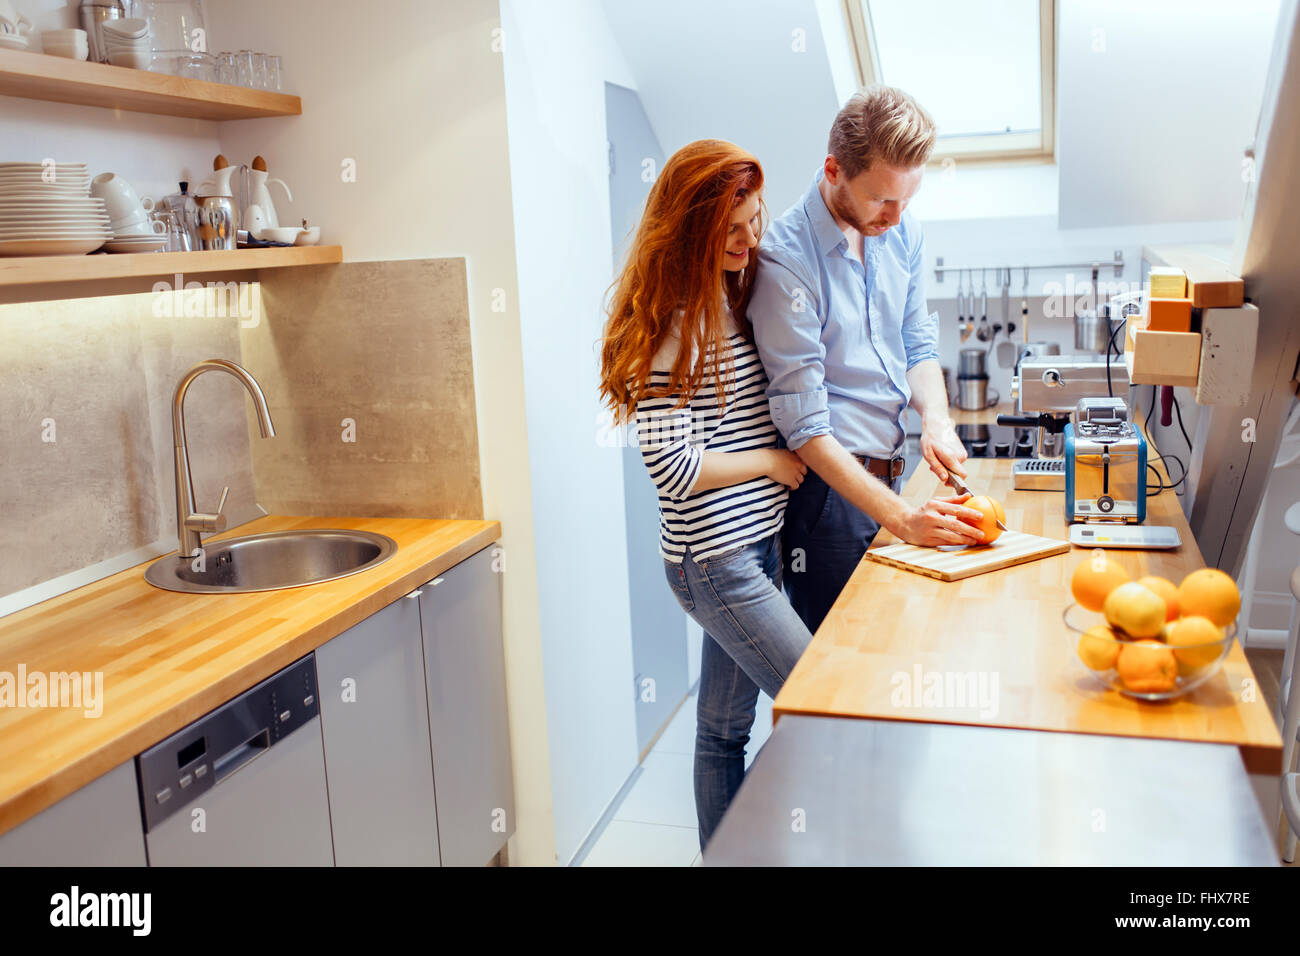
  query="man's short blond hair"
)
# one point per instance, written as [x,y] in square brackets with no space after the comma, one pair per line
[881,123]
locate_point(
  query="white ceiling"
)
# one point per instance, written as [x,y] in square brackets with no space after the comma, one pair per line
[727,69]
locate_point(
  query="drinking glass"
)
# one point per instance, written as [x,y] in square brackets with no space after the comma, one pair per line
[258,71]
[273,81]
[194,66]
[224,68]
[244,74]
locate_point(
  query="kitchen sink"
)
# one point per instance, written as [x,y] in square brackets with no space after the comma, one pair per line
[271,561]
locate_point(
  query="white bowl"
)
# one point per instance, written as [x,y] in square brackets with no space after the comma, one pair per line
[142,46]
[64,36]
[125,27]
[132,60]
[68,52]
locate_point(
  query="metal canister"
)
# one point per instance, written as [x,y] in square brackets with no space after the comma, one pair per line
[93,14]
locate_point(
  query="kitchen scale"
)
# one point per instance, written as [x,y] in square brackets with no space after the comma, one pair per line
[1124,536]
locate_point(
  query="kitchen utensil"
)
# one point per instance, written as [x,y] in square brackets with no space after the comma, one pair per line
[957,562]
[971,363]
[185,212]
[960,486]
[1092,331]
[973,393]
[982,332]
[217,224]
[260,193]
[1196,663]
[93,14]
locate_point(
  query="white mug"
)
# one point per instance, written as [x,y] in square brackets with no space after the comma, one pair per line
[119,196]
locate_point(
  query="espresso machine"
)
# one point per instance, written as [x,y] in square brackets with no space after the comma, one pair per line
[1047,389]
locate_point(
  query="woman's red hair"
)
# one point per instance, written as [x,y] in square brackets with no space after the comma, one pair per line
[675,265]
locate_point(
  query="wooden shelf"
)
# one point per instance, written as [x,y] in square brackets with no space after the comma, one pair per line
[41,270]
[39,76]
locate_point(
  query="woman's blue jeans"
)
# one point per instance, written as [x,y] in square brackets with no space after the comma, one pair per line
[752,639]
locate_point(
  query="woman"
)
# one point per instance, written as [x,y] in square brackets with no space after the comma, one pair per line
[679,354]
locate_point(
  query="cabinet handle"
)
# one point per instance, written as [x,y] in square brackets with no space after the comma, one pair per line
[436,581]
[416,593]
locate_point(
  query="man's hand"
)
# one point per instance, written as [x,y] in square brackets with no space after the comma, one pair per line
[941,521]
[941,447]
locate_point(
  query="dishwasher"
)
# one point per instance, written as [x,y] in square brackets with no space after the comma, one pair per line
[243,785]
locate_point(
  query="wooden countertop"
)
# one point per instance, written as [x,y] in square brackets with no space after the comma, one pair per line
[1006,626]
[981,416]
[168,658]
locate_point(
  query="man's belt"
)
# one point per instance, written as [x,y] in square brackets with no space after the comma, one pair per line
[886,469]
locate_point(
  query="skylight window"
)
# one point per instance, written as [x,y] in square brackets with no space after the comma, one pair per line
[985,71]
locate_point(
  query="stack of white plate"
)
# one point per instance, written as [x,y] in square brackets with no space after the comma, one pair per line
[47,209]
[127,42]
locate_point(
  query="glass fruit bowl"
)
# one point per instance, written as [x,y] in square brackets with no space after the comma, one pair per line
[1160,668]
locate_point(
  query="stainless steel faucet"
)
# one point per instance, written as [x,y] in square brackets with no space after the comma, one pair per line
[189,523]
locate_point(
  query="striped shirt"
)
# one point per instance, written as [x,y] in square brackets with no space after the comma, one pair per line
[673,442]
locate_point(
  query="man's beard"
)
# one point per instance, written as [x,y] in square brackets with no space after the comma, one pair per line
[843,209]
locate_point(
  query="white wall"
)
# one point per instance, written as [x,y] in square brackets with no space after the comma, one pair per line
[416,97]
[729,69]
[1158,100]
[558,57]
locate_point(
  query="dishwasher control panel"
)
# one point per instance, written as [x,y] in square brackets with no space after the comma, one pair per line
[194,760]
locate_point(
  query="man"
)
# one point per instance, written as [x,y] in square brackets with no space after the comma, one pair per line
[841,324]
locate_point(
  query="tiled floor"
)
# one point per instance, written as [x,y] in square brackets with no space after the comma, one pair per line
[655,825]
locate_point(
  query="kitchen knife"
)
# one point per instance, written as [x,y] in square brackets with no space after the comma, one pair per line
[960,487]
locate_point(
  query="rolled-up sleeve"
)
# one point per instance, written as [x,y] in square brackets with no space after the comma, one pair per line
[664,437]
[787,330]
[920,326]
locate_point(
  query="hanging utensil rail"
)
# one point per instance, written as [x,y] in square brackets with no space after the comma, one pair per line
[1117,262]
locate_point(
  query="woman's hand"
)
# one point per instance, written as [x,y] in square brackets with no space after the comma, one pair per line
[786,467]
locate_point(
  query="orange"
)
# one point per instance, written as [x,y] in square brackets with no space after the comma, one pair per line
[1147,667]
[1168,592]
[1099,647]
[1197,640]
[991,511]
[1094,579]
[1210,593]
[1135,610]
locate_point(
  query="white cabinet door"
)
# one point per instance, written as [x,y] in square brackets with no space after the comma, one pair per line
[460,613]
[375,717]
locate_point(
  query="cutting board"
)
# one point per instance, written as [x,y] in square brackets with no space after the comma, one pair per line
[1012,547]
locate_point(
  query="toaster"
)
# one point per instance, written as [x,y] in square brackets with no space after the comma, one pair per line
[1105,464]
